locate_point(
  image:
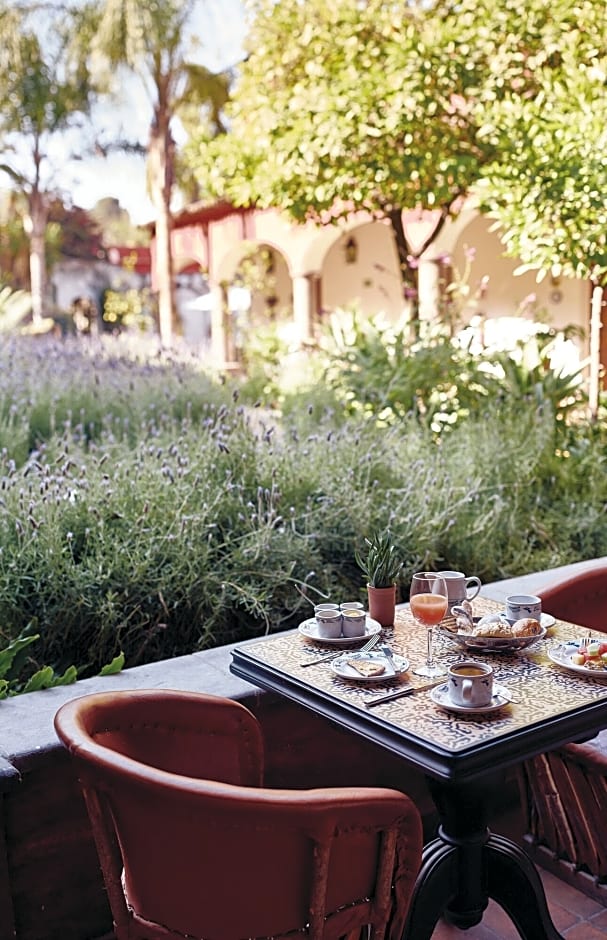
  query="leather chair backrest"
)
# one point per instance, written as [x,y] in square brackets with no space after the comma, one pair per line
[580,599]
[190,856]
[188,733]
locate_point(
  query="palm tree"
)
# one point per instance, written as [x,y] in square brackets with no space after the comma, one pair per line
[152,41]
[44,91]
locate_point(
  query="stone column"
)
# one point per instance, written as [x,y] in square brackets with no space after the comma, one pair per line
[220,327]
[429,291]
[304,306]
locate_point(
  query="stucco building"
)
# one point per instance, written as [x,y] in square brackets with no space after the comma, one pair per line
[304,272]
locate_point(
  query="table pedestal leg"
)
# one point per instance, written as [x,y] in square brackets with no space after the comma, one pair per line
[466,865]
[513,881]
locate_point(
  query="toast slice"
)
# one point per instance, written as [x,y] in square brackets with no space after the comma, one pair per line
[367,667]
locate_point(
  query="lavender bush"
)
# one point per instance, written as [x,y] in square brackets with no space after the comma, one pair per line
[152,511]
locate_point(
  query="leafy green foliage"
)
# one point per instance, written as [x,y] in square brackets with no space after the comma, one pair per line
[154,42]
[546,189]
[375,370]
[364,107]
[114,667]
[13,664]
[128,309]
[44,92]
[357,111]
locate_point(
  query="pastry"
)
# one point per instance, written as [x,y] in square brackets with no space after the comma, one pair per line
[367,667]
[492,626]
[527,626]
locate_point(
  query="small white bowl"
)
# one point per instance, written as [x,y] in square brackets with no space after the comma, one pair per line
[354,622]
[328,624]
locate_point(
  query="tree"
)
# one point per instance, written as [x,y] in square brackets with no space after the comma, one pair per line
[153,40]
[548,196]
[44,91]
[342,106]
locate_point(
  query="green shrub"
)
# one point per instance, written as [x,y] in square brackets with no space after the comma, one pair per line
[148,511]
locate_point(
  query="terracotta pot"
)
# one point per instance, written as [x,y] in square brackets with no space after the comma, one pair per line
[382,604]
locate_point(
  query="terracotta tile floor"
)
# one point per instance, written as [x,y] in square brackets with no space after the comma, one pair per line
[574,915]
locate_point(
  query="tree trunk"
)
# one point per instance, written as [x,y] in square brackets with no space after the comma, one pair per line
[595,350]
[408,270]
[408,261]
[35,226]
[160,170]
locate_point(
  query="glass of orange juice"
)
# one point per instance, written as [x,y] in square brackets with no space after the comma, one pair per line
[428,600]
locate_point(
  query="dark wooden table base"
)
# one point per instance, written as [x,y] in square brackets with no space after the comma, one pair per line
[466,864]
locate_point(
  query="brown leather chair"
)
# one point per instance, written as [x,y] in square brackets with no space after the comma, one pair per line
[581,599]
[191,844]
[565,791]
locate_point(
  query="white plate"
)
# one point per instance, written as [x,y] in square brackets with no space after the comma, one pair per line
[546,620]
[309,629]
[561,655]
[341,666]
[440,696]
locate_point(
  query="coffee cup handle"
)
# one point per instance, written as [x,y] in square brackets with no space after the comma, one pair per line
[472,584]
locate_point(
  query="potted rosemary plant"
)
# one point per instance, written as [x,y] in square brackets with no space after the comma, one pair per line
[381,567]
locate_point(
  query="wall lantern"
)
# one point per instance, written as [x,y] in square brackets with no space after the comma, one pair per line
[556,293]
[351,251]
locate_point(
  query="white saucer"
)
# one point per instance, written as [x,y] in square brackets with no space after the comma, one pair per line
[561,655]
[341,666]
[440,696]
[309,629]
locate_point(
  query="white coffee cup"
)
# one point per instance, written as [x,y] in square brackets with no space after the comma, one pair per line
[523,605]
[353,621]
[470,683]
[328,624]
[459,587]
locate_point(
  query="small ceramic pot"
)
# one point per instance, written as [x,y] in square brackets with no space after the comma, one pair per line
[328,624]
[382,604]
[353,622]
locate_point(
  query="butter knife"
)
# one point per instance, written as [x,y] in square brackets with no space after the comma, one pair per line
[321,659]
[410,690]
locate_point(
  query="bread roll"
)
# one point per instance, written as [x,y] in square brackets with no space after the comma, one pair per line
[492,625]
[495,628]
[527,626]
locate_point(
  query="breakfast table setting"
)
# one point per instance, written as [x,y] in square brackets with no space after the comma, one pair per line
[495,698]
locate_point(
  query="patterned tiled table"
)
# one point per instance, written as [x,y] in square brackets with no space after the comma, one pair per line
[463,756]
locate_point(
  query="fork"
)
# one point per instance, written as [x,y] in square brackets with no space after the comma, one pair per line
[329,656]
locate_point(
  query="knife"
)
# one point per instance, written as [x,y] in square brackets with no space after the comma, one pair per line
[321,659]
[411,690]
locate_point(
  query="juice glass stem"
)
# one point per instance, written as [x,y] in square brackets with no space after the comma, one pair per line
[429,648]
